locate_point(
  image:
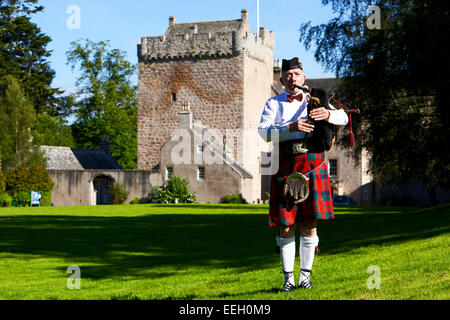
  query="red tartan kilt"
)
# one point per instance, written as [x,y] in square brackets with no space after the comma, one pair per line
[318,205]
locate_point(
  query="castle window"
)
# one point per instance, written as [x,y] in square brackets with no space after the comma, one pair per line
[174,96]
[200,148]
[332,167]
[201,173]
[169,172]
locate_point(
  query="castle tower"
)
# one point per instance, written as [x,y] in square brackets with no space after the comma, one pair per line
[223,71]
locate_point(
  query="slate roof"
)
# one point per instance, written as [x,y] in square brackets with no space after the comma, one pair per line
[65,158]
[95,159]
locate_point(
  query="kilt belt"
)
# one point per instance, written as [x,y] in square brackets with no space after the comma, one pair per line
[292,147]
[318,205]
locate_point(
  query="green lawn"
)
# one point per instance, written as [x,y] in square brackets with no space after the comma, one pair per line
[217,252]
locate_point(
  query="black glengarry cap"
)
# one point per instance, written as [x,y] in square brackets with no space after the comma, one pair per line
[294,63]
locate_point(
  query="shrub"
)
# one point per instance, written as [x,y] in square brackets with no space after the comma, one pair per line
[118,193]
[46,200]
[233,198]
[26,179]
[34,178]
[162,195]
[176,191]
[21,199]
[136,200]
[5,200]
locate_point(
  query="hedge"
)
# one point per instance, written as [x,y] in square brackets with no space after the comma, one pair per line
[21,180]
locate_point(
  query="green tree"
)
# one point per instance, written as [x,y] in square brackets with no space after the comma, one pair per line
[2,182]
[398,76]
[51,131]
[108,107]
[17,146]
[23,53]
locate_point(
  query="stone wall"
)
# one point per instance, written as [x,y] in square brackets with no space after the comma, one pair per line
[75,187]
[213,88]
[258,75]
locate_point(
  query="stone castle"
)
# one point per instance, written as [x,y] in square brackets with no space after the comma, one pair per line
[218,71]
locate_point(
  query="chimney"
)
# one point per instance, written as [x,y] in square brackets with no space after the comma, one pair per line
[172,21]
[185,116]
[244,15]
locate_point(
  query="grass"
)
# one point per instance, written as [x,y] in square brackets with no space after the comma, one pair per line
[217,252]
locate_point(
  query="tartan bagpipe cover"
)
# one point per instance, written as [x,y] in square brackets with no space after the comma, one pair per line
[318,205]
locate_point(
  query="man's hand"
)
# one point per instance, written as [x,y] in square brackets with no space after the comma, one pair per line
[302,125]
[319,114]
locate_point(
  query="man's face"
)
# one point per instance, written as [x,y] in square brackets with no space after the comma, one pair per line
[292,78]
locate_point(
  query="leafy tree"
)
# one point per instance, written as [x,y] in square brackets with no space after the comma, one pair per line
[108,107]
[398,76]
[2,182]
[51,131]
[23,54]
[17,146]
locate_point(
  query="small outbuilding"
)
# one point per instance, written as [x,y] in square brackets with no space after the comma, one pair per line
[83,176]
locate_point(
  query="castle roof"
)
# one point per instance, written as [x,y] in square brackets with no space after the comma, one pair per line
[65,158]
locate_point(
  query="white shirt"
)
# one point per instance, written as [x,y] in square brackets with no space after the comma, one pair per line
[279,112]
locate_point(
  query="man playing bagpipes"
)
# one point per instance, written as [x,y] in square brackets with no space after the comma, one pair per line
[300,123]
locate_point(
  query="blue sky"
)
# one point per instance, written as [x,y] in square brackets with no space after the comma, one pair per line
[124,22]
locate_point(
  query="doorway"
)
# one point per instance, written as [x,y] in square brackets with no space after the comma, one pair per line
[102,184]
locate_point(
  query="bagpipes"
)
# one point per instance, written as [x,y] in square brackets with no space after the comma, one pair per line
[317,98]
[296,187]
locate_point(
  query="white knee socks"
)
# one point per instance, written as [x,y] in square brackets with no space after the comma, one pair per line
[307,250]
[287,255]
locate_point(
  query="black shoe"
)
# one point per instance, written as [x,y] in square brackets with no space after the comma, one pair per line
[305,284]
[288,287]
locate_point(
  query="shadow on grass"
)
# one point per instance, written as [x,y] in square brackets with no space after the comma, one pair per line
[106,247]
[210,206]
